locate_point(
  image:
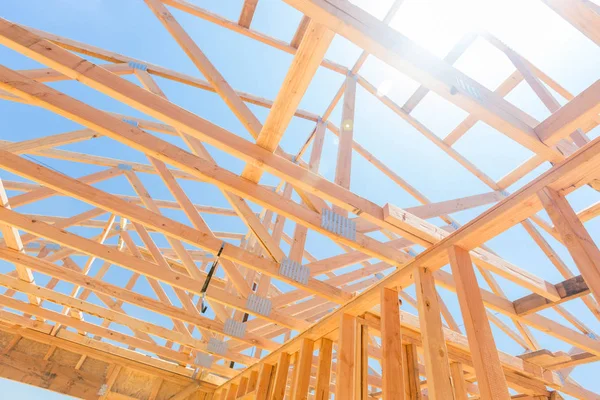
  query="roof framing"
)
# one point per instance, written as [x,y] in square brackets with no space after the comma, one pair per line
[118,341]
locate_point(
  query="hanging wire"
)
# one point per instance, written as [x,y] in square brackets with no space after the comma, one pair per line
[42,163]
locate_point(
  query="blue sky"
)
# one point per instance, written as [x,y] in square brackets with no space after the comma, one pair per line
[128,27]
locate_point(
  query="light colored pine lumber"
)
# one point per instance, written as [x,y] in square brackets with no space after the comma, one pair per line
[397,50]
[490,377]
[304,66]
[391,344]
[302,369]
[279,383]
[324,370]
[576,238]
[346,348]
[436,354]
[458,381]
[247,13]
[410,368]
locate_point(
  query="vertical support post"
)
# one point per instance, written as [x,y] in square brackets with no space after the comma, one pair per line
[361,369]
[324,370]
[490,376]
[252,381]
[439,385]
[232,392]
[302,370]
[344,384]
[264,381]
[317,149]
[410,366]
[391,345]
[283,365]
[292,378]
[344,156]
[458,381]
[576,238]
[242,387]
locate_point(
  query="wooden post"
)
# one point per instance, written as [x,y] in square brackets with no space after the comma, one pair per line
[576,238]
[490,376]
[252,381]
[264,381]
[410,366]
[344,383]
[292,375]
[283,365]
[436,355]
[344,156]
[324,370]
[232,392]
[242,387]
[302,370]
[391,345]
[458,381]
[361,362]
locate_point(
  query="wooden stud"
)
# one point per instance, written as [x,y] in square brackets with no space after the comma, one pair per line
[410,367]
[283,366]
[458,381]
[436,354]
[361,362]
[345,384]
[324,370]
[302,370]
[490,376]
[391,345]
[265,378]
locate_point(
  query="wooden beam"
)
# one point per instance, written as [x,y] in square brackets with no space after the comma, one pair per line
[170,227]
[264,382]
[458,381]
[300,32]
[343,166]
[391,345]
[397,50]
[453,55]
[33,145]
[575,237]
[544,94]
[134,264]
[361,361]
[12,239]
[436,354]
[283,366]
[235,103]
[50,375]
[410,367]
[490,377]
[303,68]
[571,116]
[584,15]
[126,129]
[569,289]
[346,348]
[302,370]
[324,370]
[247,13]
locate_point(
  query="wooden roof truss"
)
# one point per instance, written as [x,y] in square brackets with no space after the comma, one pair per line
[326,329]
